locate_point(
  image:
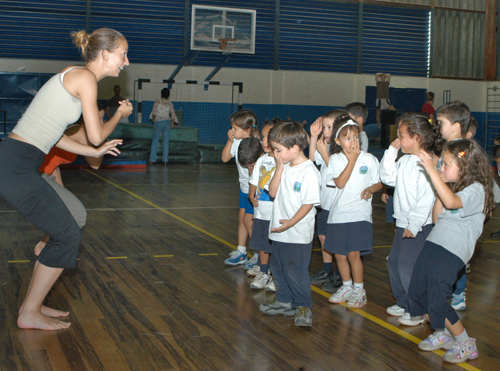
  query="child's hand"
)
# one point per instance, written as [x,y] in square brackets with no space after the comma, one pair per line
[354,152]
[317,127]
[366,194]
[279,162]
[396,144]
[253,201]
[230,135]
[426,160]
[322,145]
[285,224]
[408,234]
[384,198]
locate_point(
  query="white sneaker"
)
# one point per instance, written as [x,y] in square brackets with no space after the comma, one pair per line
[357,299]
[260,281]
[396,311]
[252,262]
[343,294]
[406,320]
[270,285]
[254,271]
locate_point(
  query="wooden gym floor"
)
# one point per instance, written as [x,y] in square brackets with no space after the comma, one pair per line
[151,291]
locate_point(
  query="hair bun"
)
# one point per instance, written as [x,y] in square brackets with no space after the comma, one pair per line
[81,39]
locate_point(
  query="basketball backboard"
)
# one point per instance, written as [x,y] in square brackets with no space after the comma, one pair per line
[228,30]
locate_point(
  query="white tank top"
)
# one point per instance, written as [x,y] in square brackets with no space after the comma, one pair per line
[49,114]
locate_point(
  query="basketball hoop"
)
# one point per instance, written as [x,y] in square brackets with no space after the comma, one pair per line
[223,43]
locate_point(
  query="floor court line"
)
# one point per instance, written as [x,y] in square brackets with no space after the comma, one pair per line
[368,316]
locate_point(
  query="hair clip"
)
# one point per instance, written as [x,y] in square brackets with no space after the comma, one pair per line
[461,154]
[254,126]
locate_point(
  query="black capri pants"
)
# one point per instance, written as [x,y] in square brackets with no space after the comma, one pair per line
[24,189]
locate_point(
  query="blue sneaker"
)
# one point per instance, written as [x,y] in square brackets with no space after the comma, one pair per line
[252,262]
[236,258]
[458,301]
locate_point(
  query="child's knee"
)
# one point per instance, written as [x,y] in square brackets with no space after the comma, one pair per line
[354,256]
[341,258]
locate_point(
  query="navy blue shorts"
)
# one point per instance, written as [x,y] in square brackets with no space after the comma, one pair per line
[321,219]
[245,203]
[434,274]
[260,236]
[343,238]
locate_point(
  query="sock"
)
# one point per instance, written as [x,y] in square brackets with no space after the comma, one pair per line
[463,337]
[242,249]
[445,331]
[328,267]
[358,286]
[264,268]
[347,283]
[258,258]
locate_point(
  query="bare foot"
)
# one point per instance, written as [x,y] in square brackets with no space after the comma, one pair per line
[39,247]
[40,322]
[50,312]
[54,313]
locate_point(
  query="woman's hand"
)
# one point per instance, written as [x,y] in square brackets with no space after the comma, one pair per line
[125,108]
[108,148]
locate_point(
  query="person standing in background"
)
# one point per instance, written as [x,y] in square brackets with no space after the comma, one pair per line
[427,108]
[383,80]
[114,103]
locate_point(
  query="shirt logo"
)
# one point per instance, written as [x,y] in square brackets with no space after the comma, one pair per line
[297,186]
[363,169]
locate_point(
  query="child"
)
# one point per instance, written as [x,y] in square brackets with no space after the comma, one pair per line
[413,201]
[249,152]
[243,125]
[349,230]
[464,197]
[359,112]
[263,206]
[321,133]
[296,188]
[456,123]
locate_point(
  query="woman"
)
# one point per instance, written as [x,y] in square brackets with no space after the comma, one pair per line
[59,102]
[162,115]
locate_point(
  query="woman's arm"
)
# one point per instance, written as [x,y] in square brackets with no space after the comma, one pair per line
[70,145]
[82,83]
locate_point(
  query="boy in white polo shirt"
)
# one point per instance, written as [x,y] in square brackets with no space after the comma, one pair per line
[296,190]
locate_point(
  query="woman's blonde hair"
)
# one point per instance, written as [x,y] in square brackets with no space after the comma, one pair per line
[99,40]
